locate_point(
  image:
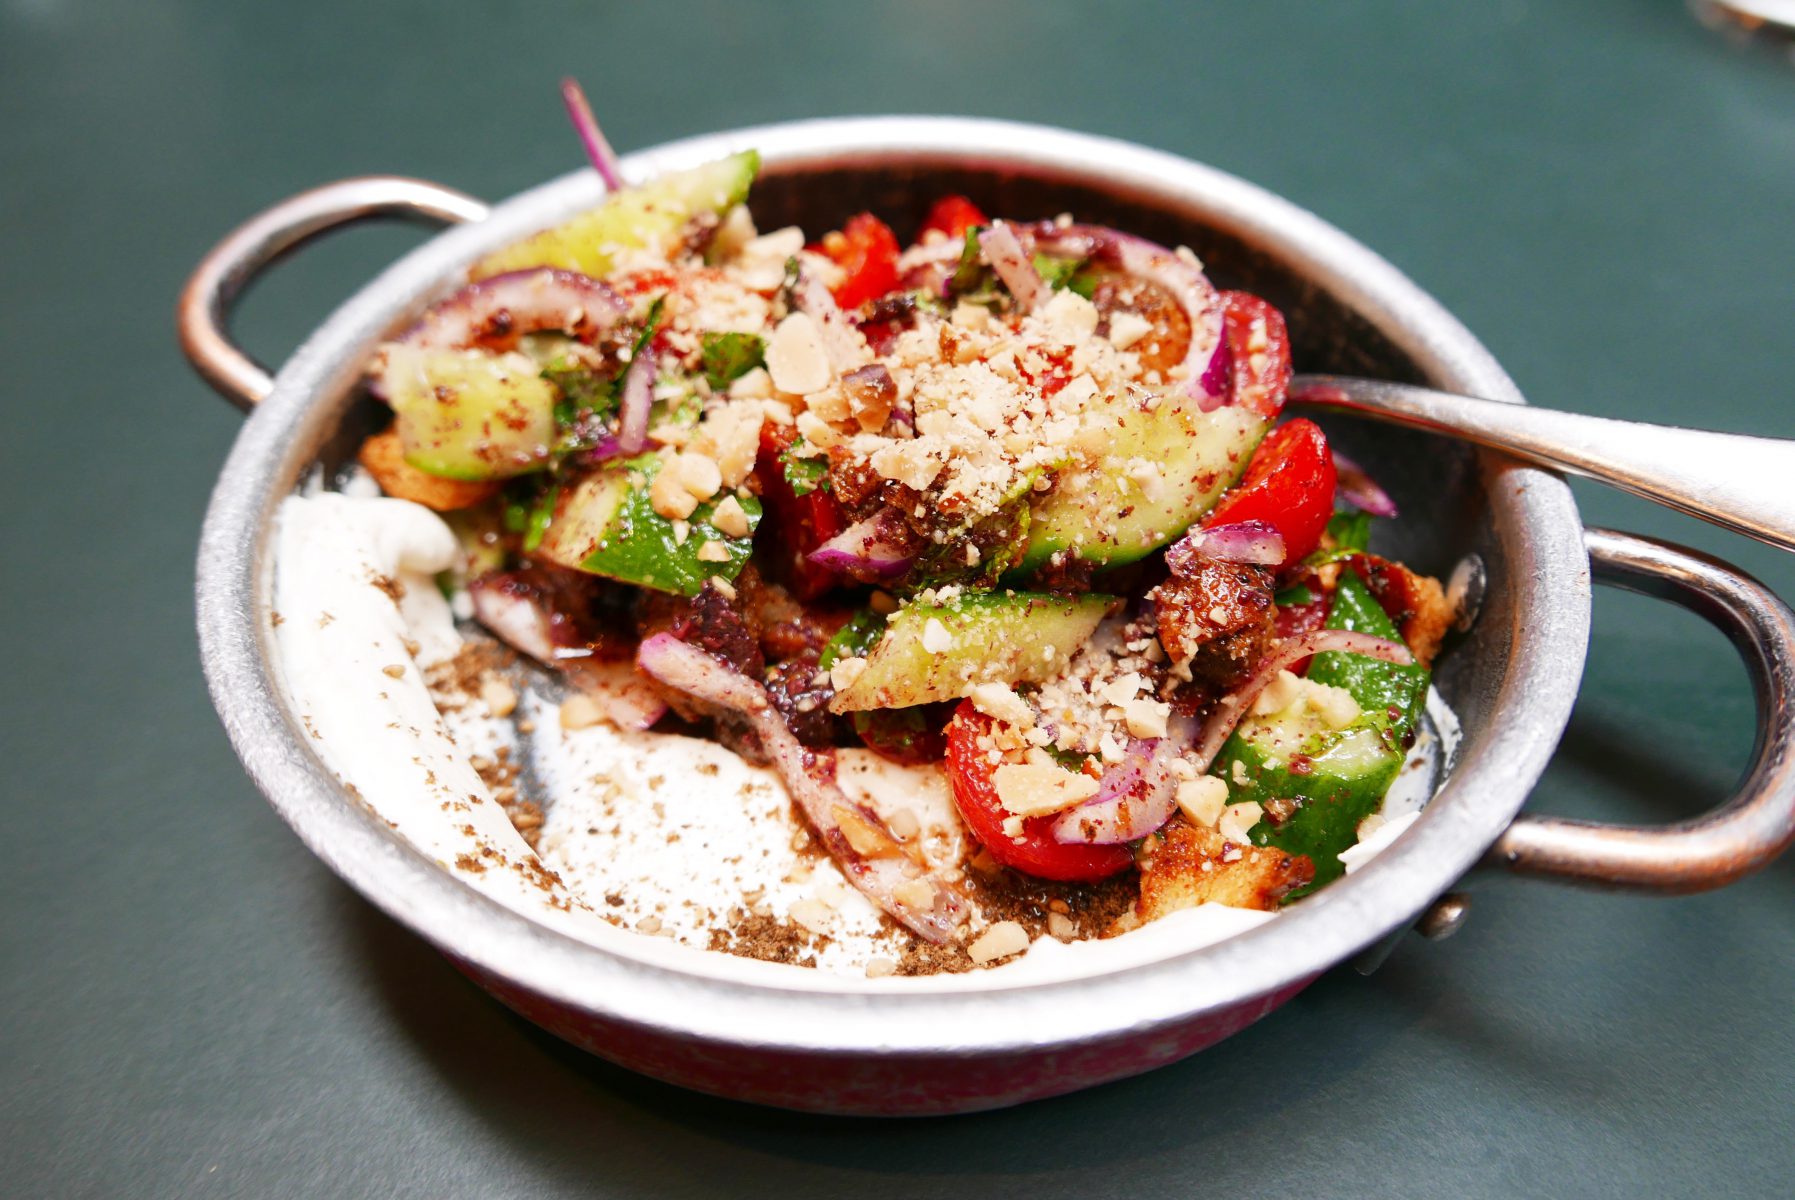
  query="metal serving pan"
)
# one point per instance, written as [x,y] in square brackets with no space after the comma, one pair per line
[782,1036]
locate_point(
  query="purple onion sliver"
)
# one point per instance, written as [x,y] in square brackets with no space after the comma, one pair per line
[1252,542]
[638,394]
[598,149]
[1004,252]
[1356,486]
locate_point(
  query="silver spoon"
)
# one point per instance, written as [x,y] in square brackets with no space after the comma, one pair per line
[1740,482]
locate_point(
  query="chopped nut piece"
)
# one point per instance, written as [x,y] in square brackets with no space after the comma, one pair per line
[1237,820]
[580,712]
[999,700]
[1062,927]
[1000,941]
[698,474]
[1031,789]
[500,697]
[394,671]
[713,551]
[1202,800]
[914,893]
[668,496]
[1147,718]
[1334,705]
[1126,328]
[845,671]
[796,358]
[867,839]
[649,924]
[935,637]
[879,968]
[754,384]
[811,914]
[730,518]
[1277,695]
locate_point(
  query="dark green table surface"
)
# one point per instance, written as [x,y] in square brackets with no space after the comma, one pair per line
[191,1005]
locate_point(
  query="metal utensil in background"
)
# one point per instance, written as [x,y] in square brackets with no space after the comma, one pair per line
[1736,481]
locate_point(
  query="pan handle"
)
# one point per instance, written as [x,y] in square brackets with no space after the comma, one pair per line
[1753,825]
[202,316]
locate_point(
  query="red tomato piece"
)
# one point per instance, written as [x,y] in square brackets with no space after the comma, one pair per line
[953,215]
[1289,485]
[868,251]
[1258,351]
[975,795]
[795,525]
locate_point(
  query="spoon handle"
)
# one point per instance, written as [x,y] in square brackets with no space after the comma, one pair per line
[1743,483]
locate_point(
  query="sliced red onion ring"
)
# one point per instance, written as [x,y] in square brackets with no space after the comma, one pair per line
[1004,252]
[1356,486]
[864,549]
[809,775]
[1230,708]
[1136,796]
[518,621]
[598,149]
[1206,379]
[632,408]
[504,307]
[1252,542]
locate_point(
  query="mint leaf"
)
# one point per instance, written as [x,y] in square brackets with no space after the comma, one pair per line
[729,356]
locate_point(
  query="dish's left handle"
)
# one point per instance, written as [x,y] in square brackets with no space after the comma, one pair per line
[203,314]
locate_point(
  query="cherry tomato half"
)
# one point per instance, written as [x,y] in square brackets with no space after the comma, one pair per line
[1289,485]
[953,215]
[795,524]
[1259,352]
[975,795]
[868,251]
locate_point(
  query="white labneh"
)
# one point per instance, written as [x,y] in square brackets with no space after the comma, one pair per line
[663,835]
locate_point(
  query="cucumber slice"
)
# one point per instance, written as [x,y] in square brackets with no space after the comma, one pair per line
[653,215]
[1343,773]
[935,652]
[605,525]
[466,414]
[1102,513]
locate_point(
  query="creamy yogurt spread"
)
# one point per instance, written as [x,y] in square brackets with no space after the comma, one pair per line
[662,835]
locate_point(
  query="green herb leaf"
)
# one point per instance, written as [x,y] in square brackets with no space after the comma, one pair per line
[1350,530]
[539,518]
[853,640]
[804,475]
[729,356]
[649,324]
[1294,597]
[1058,273]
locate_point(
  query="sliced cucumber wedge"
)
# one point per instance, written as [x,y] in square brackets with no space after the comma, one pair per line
[606,525]
[935,652]
[1317,783]
[1160,471]
[466,414]
[652,215]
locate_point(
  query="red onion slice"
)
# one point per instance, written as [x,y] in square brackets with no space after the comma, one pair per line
[637,396]
[598,149]
[1207,378]
[863,549]
[809,775]
[518,621]
[1230,708]
[1136,796]
[504,307]
[1252,542]
[1356,486]
[1004,252]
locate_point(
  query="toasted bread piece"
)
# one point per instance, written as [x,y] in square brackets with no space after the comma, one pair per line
[1192,866]
[384,459]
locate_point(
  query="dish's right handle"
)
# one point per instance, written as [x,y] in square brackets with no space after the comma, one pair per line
[1757,822]
[203,314]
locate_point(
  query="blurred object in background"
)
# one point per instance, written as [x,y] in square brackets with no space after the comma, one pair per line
[1768,21]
